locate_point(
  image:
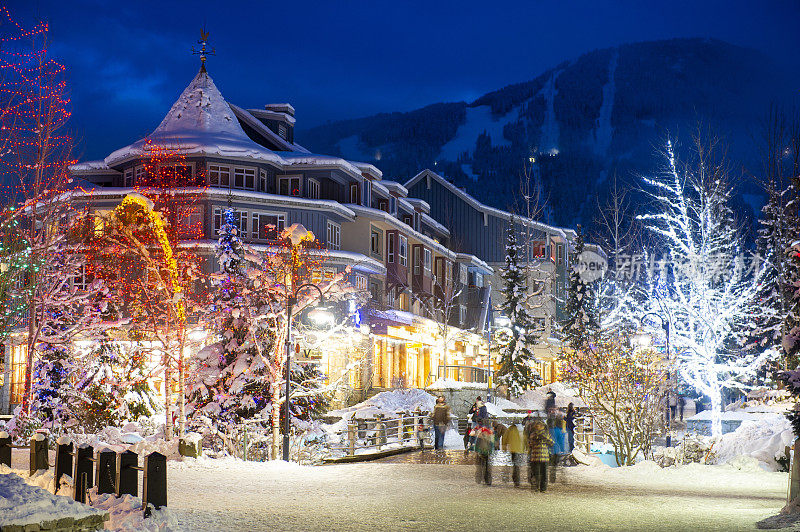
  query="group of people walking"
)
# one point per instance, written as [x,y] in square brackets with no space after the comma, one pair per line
[544,442]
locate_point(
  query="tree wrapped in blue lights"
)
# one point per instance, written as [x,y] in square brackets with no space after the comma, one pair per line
[231,381]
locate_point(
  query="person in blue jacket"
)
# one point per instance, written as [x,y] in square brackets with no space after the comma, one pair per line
[560,445]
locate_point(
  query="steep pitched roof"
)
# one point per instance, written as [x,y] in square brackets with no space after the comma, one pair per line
[200,122]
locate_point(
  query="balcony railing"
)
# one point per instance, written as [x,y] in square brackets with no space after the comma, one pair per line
[464,373]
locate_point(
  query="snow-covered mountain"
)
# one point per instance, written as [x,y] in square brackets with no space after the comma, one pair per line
[605,111]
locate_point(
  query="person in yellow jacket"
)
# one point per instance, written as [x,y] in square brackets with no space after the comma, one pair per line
[514,443]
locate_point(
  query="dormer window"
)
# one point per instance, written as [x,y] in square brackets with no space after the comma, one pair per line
[393,205]
[383,205]
[408,220]
[282,131]
[416,221]
[354,193]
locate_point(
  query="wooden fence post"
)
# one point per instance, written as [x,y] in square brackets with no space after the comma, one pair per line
[83,480]
[154,482]
[63,461]
[106,472]
[351,438]
[39,458]
[127,476]
[5,448]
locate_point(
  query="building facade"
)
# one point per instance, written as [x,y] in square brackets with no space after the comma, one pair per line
[427,253]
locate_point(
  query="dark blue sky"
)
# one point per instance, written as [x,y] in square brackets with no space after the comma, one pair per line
[335,59]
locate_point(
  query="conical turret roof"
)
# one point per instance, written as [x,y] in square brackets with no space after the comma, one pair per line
[200,122]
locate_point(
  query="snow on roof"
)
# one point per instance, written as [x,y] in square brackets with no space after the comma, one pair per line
[305,158]
[396,187]
[481,207]
[92,167]
[200,122]
[249,118]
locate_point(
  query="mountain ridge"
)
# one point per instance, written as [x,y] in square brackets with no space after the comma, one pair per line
[605,111]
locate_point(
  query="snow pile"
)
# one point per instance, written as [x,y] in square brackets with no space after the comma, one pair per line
[693,448]
[130,438]
[23,503]
[763,438]
[126,514]
[389,403]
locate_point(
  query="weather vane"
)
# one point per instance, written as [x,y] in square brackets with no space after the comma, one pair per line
[202,52]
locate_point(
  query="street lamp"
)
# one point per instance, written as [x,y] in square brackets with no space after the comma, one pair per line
[321,316]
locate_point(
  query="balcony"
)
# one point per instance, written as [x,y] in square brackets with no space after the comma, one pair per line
[464,373]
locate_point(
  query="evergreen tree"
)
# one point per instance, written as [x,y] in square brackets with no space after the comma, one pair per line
[581,322]
[513,346]
[55,397]
[231,381]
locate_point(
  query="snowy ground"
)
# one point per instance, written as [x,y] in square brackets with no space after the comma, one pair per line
[227,494]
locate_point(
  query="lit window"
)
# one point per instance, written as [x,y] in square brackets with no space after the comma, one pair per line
[403,251]
[334,235]
[360,281]
[219,176]
[427,262]
[289,186]
[190,221]
[313,189]
[267,226]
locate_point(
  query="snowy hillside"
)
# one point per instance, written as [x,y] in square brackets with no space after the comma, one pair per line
[602,112]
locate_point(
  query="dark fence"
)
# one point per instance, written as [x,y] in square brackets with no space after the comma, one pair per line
[111,472]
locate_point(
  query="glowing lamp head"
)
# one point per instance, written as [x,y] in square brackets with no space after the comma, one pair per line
[321,316]
[641,339]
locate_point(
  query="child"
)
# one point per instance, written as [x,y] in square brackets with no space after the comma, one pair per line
[484,447]
[540,442]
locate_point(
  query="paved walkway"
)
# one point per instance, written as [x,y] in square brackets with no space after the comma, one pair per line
[430,456]
[233,495]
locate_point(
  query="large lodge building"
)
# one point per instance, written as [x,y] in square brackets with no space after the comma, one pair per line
[405,243]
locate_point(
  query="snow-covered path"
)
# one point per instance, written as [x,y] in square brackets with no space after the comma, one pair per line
[232,495]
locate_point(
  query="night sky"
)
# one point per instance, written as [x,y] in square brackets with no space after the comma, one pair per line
[344,59]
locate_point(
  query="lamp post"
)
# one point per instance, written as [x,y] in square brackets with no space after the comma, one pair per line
[320,315]
[639,339]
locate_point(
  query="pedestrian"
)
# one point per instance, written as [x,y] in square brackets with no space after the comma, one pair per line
[681,405]
[559,451]
[570,424]
[441,418]
[514,444]
[673,405]
[478,412]
[484,447]
[550,404]
[422,430]
[538,447]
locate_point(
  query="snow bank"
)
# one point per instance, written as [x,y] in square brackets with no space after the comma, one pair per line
[130,438]
[389,403]
[126,515]
[762,438]
[23,503]
[736,415]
